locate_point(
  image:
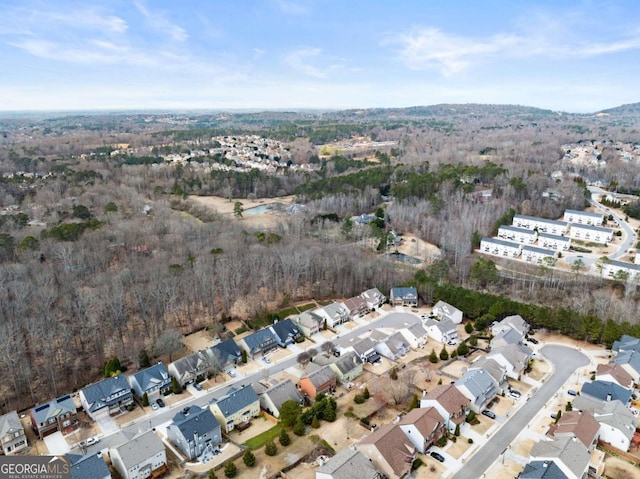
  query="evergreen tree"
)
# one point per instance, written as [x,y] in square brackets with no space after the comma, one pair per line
[433,357]
[299,428]
[249,458]
[145,399]
[270,448]
[444,355]
[230,469]
[414,402]
[284,438]
[315,423]
[366,394]
[175,386]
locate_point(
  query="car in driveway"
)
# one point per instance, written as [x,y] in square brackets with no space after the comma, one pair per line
[90,442]
[231,373]
[266,359]
[197,386]
[514,394]
[160,402]
[533,340]
[489,414]
[154,406]
[437,456]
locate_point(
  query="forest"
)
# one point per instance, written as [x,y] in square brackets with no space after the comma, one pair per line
[106,254]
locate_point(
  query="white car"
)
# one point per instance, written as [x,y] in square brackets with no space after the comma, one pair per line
[90,442]
[231,373]
[266,359]
[154,406]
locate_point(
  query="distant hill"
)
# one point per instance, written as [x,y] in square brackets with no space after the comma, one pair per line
[629,109]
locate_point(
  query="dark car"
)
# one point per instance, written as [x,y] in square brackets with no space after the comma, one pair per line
[197,386]
[489,414]
[160,402]
[437,456]
[571,392]
[532,340]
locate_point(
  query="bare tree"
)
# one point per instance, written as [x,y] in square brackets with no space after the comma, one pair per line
[168,343]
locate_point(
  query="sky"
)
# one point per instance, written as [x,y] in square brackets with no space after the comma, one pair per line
[574,56]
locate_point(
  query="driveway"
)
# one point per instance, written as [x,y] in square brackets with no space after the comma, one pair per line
[56,444]
[565,361]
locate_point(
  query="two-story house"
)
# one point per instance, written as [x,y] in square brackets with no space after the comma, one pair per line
[570,455]
[309,322]
[226,353]
[320,380]
[12,436]
[273,395]
[194,430]
[366,350]
[404,296]
[357,307]
[194,367]
[449,402]
[154,381]
[236,408]
[348,463]
[107,397]
[333,314]
[91,466]
[423,427]
[142,457]
[445,311]
[390,450]
[479,387]
[286,332]
[258,343]
[392,346]
[374,298]
[57,415]
[443,331]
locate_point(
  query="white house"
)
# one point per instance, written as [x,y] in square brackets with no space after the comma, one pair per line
[393,346]
[617,422]
[443,331]
[334,314]
[616,269]
[415,335]
[533,254]
[374,298]
[596,234]
[514,358]
[559,243]
[541,224]
[515,322]
[614,373]
[141,457]
[423,427]
[446,311]
[498,247]
[519,235]
[583,217]
[450,403]
[478,386]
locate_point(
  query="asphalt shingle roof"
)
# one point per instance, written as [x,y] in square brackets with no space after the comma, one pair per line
[139,449]
[237,399]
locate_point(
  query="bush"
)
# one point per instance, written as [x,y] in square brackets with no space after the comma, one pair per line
[433,357]
[365,393]
[444,355]
[473,340]
[415,402]
[145,399]
[365,421]
[394,373]
[299,428]
[442,441]
[249,458]
[471,417]
[470,441]
[315,423]
[284,438]
[468,328]
[270,448]
[416,464]
[230,469]
[358,399]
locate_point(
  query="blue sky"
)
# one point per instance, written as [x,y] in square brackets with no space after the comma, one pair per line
[282,54]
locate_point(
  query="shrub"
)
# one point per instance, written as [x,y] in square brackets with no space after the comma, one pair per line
[358,399]
[415,402]
[315,423]
[470,417]
[468,328]
[365,421]
[444,355]
[473,340]
[470,441]
[457,431]
[270,448]
[394,373]
[365,393]
[299,428]
[145,399]
[433,357]
[442,441]
[230,469]
[416,464]
[249,458]
[284,438]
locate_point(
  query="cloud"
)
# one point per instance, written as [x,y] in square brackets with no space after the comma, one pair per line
[291,7]
[159,21]
[304,60]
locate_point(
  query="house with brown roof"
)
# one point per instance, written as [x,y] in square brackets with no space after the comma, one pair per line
[321,380]
[390,450]
[614,373]
[579,424]
[356,306]
[423,427]
[449,402]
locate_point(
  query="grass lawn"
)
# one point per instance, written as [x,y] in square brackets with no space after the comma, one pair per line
[260,440]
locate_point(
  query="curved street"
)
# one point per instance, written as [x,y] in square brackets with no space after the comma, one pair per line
[565,361]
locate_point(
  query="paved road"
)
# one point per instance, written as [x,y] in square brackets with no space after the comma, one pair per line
[565,361]
[630,235]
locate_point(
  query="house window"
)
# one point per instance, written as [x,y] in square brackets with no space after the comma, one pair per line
[66,423]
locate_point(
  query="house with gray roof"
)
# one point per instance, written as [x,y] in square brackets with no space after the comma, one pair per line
[366,350]
[494,368]
[309,323]
[348,464]
[626,343]
[286,332]
[334,314]
[606,391]
[445,311]
[415,334]
[194,367]
[569,454]
[479,387]
[236,408]
[514,322]
[393,346]
[630,361]
[505,338]
[443,331]
[110,396]
[153,381]
[404,296]
[142,457]
[316,381]
[57,415]
[12,436]
[226,352]
[194,430]
[347,366]
[273,396]
[374,298]
[91,466]
[356,306]
[617,422]
[258,343]
[542,470]
[514,358]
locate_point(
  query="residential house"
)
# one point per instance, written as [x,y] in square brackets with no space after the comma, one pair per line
[357,307]
[347,367]
[423,427]
[374,298]
[286,332]
[194,367]
[392,346]
[617,422]
[569,454]
[334,314]
[273,396]
[505,338]
[258,343]
[494,368]
[612,268]
[594,234]
[498,247]
[581,425]
[366,350]
[348,464]
[479,387]
[583,217]
[442,331]
[236,408]
[515,322]
[627,343]
[542,470]
[606,391]
[542,225]
[518,235]
[514,358]
[57,415]
[227,353]
[556,242]
[390,450]
[142,457]
[630,362]
[309,322]
[446,311]
[91,466]
[110,396]
[153,381]
[415,335]
[537,255]
[614,373]
[450,403]
[194,430]
[12,436]
[321,380]
[404,296]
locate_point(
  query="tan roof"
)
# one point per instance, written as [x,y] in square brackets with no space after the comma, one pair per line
[394,446]
[425,420]
[582,425]
[449,396]
[616,371]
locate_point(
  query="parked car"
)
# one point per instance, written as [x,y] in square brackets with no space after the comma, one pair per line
[514,394]
[489,414]
[90,442]
[437,456]
[197,386]
[571,392]
[160,402]
[533,340]
[154,406]
[231,373]
[266,359]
